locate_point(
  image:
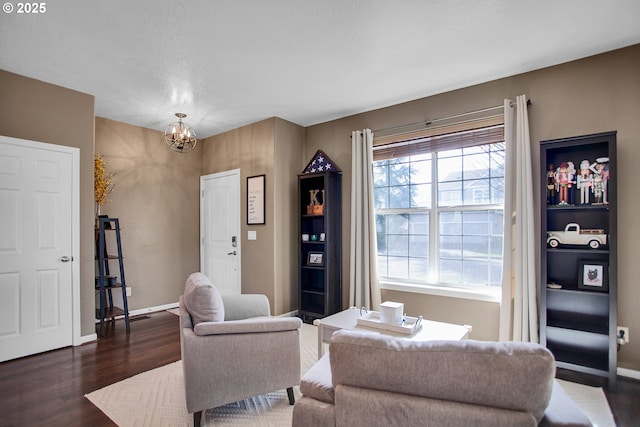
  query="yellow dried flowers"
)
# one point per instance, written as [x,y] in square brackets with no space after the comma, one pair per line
[103,180]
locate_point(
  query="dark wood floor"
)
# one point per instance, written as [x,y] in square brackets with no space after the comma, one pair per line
[48,389]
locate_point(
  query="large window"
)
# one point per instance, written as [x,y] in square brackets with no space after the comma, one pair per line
[439,209]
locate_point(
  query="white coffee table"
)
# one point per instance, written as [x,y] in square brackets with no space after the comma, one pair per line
[348,318]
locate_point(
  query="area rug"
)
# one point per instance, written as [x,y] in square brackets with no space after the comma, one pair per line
[156,398]
[593,402]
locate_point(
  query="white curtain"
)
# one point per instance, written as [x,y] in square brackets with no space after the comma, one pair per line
[364,289]
[519,309]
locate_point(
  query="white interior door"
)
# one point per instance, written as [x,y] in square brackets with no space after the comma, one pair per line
[220,230]
[36,226]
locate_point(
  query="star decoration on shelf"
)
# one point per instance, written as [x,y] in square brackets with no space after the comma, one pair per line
[321,163]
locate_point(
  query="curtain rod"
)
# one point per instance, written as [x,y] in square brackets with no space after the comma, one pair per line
[430,122]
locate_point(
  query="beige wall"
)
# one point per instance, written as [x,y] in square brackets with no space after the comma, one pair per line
[596,94]
[156,198]
[38,111]
[289,144]
[252,149]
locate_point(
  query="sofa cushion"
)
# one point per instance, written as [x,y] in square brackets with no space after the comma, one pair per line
[202,300]
[316,382]
[509,375]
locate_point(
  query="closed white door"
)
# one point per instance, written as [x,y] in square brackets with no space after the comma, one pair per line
[36,258]
[220,230]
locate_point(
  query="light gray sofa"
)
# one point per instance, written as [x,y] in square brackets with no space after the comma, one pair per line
[375,380]
[232,349]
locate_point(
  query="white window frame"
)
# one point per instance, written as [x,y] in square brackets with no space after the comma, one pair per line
[435,287]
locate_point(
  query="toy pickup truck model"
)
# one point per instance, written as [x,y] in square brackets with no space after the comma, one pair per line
[573,235]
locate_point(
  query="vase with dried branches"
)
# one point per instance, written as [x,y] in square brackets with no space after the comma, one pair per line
[103,182]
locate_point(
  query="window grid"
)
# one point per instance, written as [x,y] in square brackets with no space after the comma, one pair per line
[466,222]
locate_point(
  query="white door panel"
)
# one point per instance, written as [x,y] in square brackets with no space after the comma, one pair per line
[220,230]
[36,222]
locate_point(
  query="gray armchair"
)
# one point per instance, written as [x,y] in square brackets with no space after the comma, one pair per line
[232,349]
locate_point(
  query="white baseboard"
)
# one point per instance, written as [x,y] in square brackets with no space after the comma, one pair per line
[628,373]
[152,309]
[88,338]
[147,310]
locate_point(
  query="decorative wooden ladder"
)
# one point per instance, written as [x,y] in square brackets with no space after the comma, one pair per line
[105,282]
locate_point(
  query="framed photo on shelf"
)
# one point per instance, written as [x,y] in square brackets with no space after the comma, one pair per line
[593,275]
[315,259]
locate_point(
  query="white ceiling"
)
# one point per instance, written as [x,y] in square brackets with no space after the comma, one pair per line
[227,63]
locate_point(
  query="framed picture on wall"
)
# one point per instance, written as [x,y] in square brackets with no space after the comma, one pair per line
[593,275]
[255,200]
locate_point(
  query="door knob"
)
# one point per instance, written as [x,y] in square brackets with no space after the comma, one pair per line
[232,253]
[65,259]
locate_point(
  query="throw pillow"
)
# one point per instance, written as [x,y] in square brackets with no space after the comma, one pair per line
[202,300]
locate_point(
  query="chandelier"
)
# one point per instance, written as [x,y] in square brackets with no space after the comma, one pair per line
[180,136]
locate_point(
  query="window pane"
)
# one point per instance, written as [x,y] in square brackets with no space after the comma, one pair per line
[398,267]
[419,224]
[398,224]
[419,246]
[399,174]
[495,272]
[451,223]
[476,223]
[381,197]
[476,247]
[476,166]
[418,269]
[466,240]
[477,192]
[380,174]
[450,194]
[475,273]
[497,164]
[381,233]
[450,247]
[449,169]
[421,196]
[421,172]
[398,245]
[400,197]
[450,271]
[497,222]
[497,191]
[495,247]
[382,266]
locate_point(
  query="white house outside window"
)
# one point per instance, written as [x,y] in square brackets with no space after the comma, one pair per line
[439,209]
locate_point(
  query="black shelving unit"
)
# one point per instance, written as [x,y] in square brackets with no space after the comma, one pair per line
[578,323]
[320,282]
[106,282]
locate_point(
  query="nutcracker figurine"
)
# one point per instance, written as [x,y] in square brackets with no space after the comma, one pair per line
[584,181]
